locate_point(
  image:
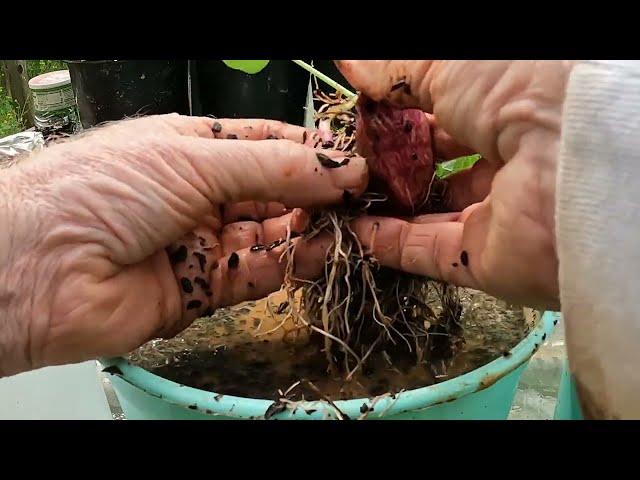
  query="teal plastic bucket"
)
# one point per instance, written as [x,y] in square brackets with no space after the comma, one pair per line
[485,393]
[568,404]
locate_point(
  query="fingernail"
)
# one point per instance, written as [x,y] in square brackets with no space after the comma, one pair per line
[352,176]
[299,220]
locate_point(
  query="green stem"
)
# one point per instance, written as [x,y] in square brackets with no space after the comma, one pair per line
[324,78]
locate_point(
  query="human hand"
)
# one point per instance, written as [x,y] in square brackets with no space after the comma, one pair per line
[502,237]
[133,230]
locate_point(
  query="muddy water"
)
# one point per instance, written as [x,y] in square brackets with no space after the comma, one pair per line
[240,351]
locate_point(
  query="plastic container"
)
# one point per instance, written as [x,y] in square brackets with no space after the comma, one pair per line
[277,92]
[485,393]
[53,101]
[108,90]
[568,405]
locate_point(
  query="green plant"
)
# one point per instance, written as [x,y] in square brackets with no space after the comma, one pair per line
[38,67]
[8,120]
[247,66]
[451,167]
[10,112]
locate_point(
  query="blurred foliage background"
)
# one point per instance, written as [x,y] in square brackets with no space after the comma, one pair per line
[9,123]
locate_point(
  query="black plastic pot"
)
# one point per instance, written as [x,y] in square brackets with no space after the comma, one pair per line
[278,92]
[108,90]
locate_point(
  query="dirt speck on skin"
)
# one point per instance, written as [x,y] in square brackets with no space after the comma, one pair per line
[225,354]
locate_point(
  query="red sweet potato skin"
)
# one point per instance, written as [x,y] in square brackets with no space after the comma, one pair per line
[398,147]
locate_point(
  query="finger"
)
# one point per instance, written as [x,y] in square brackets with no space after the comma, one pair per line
[408,83]
[469,98]
[214,220]
[250,275]
[434,218]
[256,211]
[455,91]
[189,126]
[192,260]
[470,186]
[282,172]
[276,228]
[231,129]
[467,187]
[198,252]
[444,217]
[489,105]
[432,249]
[466,213]
[444,145]
[240,235]
[401,82]
[178,183]
[258,129]
[404,83]
[168,124]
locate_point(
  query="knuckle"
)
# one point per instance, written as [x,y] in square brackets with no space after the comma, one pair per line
[291,157]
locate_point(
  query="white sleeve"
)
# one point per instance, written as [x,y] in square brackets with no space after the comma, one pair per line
[598,235]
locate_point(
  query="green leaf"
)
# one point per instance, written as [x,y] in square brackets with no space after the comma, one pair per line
[457,165]
[247,66]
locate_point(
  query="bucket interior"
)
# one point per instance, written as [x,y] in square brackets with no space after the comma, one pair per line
[499,375]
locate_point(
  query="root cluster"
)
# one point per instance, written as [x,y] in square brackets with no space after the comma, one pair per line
[358,306]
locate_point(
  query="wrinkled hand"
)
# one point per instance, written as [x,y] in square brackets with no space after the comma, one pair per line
[503,239]
[132,231]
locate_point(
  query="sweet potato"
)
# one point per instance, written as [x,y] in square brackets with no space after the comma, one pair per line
[398,147]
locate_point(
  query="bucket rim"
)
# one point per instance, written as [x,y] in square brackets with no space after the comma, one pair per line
[383,406]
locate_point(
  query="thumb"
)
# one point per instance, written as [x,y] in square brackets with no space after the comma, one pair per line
[404,83]
[485,105]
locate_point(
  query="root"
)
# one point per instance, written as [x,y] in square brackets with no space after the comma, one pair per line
[358,306]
